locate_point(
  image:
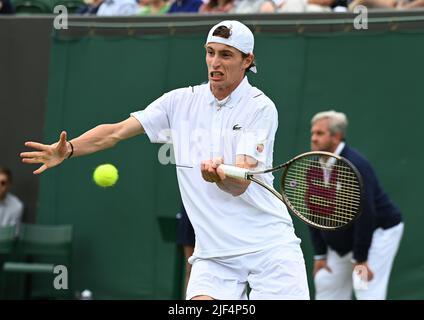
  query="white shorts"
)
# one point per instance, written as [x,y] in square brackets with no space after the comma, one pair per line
[273,273]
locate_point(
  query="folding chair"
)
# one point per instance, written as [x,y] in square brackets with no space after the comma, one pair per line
[7,241]
[41,248]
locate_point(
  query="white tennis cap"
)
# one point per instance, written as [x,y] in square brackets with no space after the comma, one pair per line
[241,37]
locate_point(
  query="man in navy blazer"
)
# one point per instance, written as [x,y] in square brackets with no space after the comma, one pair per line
[358,258]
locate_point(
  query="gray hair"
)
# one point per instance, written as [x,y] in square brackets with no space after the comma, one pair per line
[337,121]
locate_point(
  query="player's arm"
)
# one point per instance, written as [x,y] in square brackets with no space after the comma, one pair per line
[212,173]
[105,136]
[99,138]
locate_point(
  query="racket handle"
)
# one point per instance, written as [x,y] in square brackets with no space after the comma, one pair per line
[234,172]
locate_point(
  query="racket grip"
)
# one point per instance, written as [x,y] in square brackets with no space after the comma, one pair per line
[234,172]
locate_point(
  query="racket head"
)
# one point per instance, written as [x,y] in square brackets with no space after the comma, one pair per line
[325,197]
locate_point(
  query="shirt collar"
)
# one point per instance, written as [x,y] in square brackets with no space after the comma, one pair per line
[331,161]
[236,95]
[339,148]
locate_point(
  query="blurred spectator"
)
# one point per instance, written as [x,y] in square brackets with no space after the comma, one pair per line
[185,6]
[6,7]
[373,3]
[309,5]
[89,7]
[11,208]
[271,6]
[411,4]
[252,6]
[338,5]
[217,6]
[154,7]
[387,4]
[118,8]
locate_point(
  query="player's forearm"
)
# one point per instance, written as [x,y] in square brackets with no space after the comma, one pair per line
[99,138]
[105,136]
[236,186]
[233,186]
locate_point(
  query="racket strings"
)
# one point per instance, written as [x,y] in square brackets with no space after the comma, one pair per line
[343,214]
[346,178]
[350,192]
[342,202]
[323,207]
[324,196]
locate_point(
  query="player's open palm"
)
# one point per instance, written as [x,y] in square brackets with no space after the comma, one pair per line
[49,155]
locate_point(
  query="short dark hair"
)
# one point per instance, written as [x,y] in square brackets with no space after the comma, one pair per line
[7,172]
[224,32]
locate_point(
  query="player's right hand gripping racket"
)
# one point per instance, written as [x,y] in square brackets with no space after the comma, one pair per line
[321,188]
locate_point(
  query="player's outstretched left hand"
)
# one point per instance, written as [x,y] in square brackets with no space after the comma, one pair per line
[49,155]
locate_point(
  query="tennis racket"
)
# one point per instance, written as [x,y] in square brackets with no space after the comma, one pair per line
[323,189]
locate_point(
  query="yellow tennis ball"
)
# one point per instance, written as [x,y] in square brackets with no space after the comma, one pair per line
[105,175]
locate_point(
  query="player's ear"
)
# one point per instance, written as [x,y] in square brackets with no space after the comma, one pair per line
[248,60]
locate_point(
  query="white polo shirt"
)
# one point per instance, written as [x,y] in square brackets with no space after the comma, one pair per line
[191,120]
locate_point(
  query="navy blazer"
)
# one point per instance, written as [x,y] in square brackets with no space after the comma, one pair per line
[378,211]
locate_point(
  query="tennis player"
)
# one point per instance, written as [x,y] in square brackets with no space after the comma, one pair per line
[244,235]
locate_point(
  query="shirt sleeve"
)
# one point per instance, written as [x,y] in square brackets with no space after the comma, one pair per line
[155,119]
[318,243]
[257,139]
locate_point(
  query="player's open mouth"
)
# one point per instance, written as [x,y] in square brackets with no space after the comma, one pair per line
[216,75]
